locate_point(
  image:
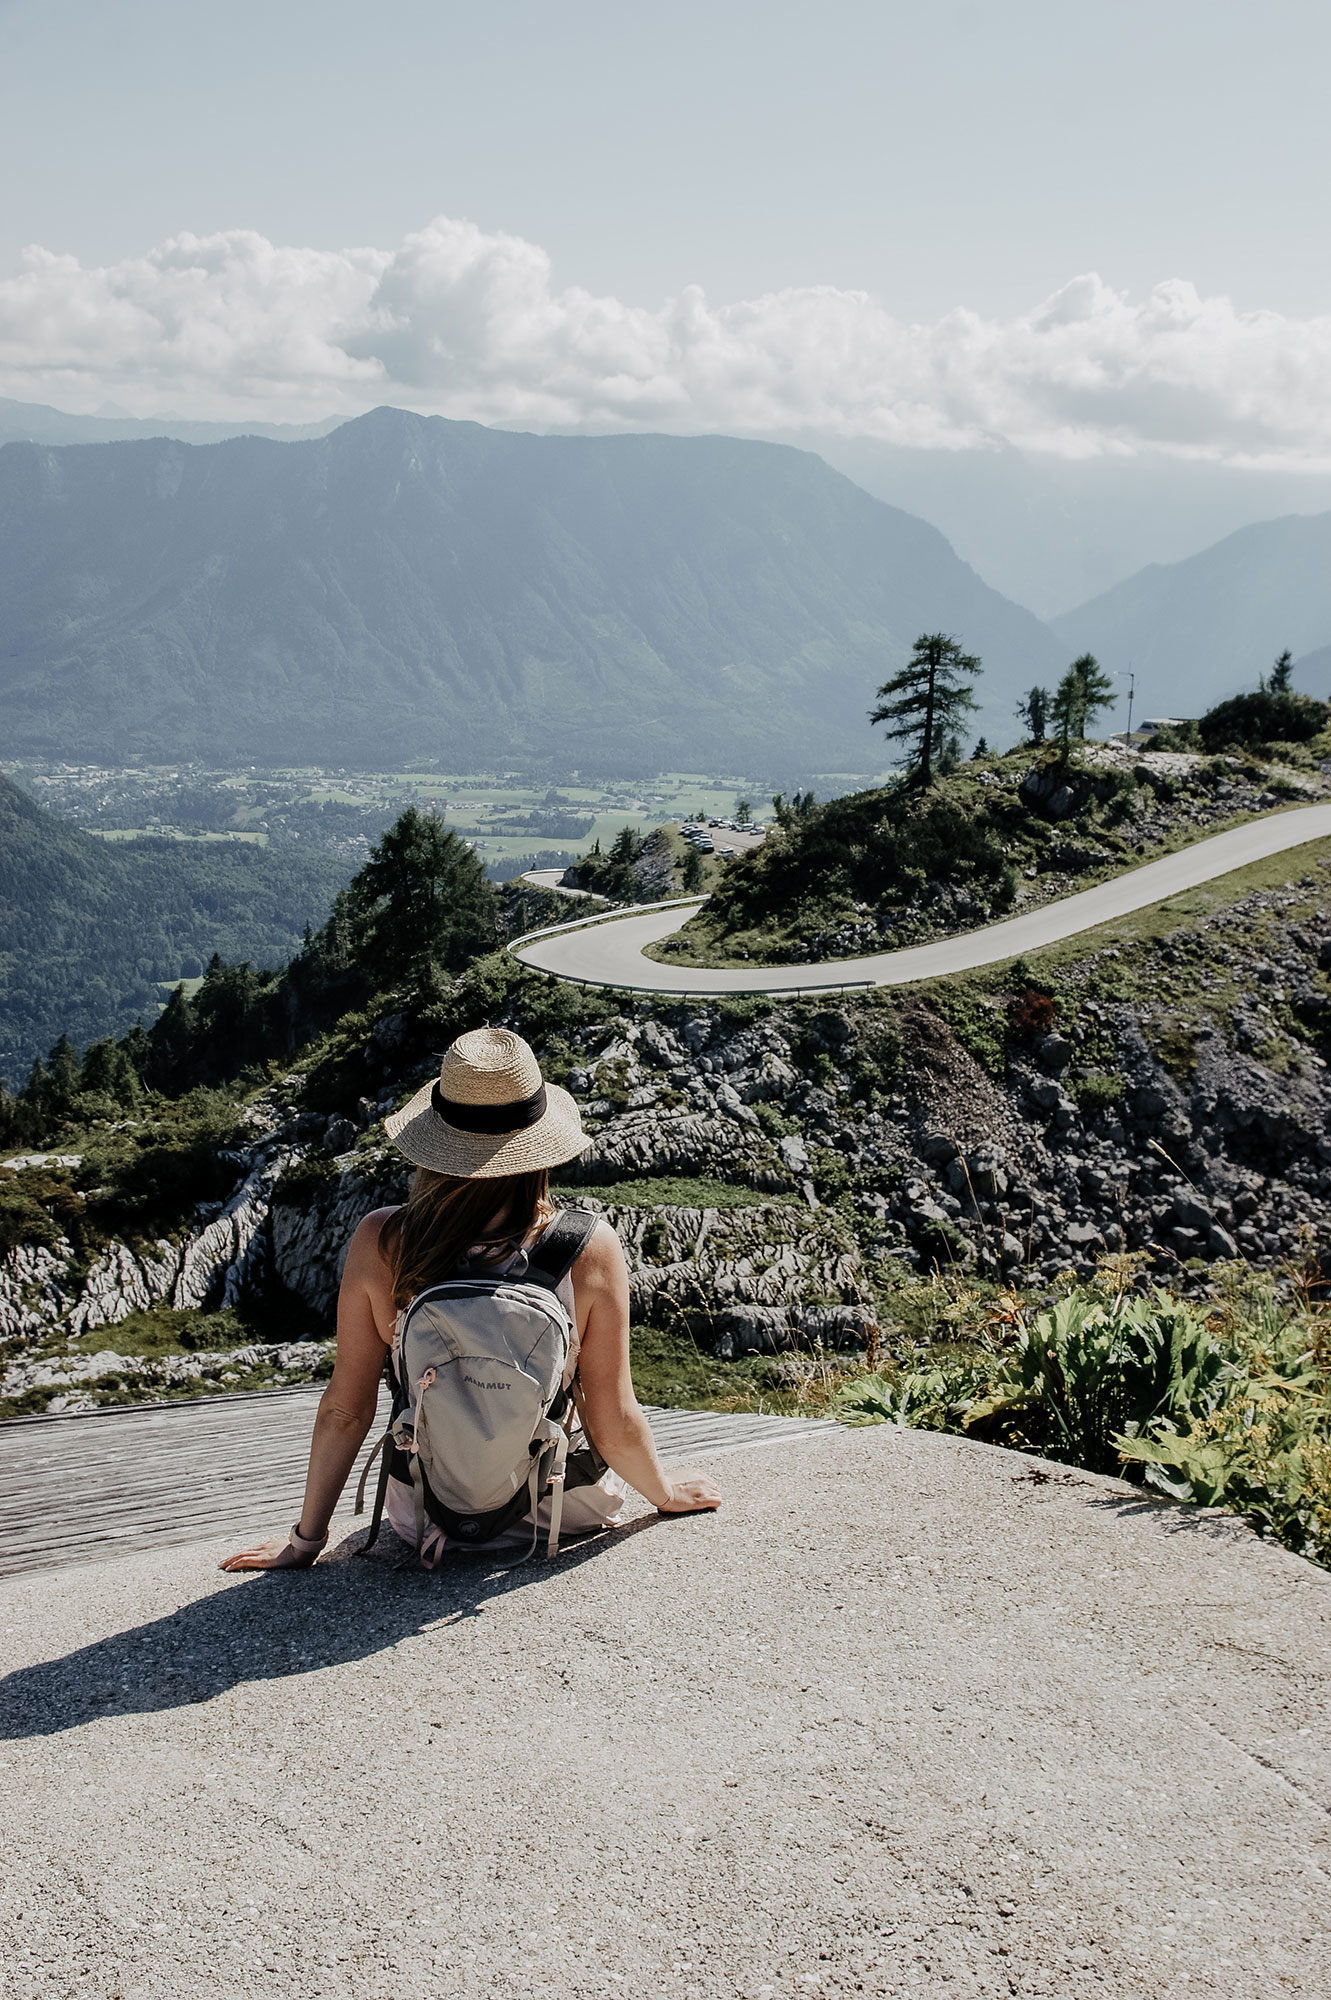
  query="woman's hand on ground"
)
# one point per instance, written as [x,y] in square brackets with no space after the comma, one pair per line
[691,1493]
[276,1554]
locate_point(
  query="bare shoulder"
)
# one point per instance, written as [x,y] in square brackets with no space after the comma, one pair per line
[602,1258]
[364,1253]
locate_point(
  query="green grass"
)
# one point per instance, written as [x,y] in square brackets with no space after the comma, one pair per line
[668,1192]
[671,1370]
[166,1330]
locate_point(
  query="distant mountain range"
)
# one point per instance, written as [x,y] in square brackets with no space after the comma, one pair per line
[38,423]
[1052,532]
[1046,532]
[89,929]
[1200,630]
[407,587]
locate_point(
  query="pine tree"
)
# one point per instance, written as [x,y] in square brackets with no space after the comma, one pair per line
[927,701]
[1033,713]
[1281,672]
[171,1040]
[422,896]
[64,1074]
[1083,693]
[107,1072]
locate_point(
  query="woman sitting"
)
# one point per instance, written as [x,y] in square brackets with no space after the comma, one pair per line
[483,1140]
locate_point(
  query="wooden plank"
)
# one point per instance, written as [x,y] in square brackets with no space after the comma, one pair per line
[81,1487]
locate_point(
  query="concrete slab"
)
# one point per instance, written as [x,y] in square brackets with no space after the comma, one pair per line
[909,1716]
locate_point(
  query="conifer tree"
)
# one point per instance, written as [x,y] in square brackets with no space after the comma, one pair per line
[421,897]
[1281,672]
[64,1074]
[1033,713]
[927,701]
[1083,693]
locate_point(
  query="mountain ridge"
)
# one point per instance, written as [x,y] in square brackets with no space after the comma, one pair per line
[1209,626]
[409,586]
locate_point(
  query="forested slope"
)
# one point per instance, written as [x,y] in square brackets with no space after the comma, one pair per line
[88,930]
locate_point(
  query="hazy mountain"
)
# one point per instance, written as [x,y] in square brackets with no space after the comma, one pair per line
[1051,532]
[1312,674]
[1200,630]
[409,587]
[88,928]
[38,423]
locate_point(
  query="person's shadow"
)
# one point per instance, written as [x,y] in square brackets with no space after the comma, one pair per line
[273,1626]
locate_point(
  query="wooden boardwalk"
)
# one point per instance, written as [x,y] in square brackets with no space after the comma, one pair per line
[77,1488]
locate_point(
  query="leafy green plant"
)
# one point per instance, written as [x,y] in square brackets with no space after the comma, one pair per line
[1263,1450]
[1225,1401]
[932,1398]
[1086,1372]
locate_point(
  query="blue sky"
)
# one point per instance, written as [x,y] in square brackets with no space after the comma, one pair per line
[935,159]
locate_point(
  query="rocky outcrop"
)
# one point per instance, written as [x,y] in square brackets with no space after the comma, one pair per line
[33,1294]
[705,1267]
[70,1379]
[930,1132]
[311,1222]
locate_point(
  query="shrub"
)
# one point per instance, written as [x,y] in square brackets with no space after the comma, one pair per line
[1269,715]
[300,1185]
[1099,1091]
[23,1220]
[1031,1013]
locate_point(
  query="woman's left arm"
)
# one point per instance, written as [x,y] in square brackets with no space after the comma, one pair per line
[346,1408]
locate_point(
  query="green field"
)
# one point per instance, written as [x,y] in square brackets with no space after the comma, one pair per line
[505,815]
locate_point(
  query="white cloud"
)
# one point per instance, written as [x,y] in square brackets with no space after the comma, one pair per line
[468,324]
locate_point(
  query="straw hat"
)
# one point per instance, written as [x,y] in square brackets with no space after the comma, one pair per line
[489,1114]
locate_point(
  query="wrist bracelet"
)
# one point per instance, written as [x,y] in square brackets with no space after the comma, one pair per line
[302,1544]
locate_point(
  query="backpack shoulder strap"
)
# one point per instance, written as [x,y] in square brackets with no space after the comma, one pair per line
[559,1249]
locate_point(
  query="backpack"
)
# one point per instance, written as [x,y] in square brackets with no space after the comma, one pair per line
[480,1417]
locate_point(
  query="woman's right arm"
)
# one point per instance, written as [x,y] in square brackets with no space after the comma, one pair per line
[618,1427]
[346,1408]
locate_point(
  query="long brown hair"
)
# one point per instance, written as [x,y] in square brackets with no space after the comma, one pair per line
[426,1239]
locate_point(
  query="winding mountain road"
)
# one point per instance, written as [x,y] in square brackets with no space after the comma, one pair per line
[608,951]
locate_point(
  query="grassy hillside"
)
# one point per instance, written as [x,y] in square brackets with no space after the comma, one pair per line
[882,869]
[408,587]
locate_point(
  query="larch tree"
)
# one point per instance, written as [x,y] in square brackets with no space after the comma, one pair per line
[925,704]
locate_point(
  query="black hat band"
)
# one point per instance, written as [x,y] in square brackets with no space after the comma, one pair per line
[495,1119]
